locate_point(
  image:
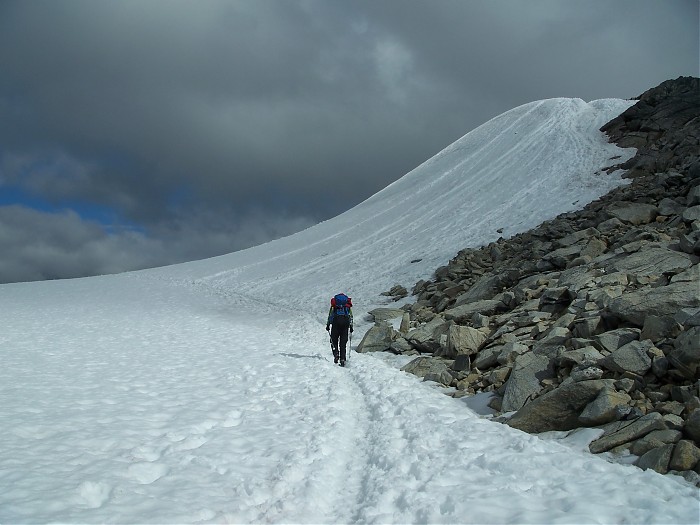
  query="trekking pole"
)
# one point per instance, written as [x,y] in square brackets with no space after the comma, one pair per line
[350,349]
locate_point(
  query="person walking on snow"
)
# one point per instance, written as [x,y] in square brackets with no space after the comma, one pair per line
[340,316]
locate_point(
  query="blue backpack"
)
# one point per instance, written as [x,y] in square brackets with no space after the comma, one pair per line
[341,304]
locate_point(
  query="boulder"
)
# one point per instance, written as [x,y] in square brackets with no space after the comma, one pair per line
[510,351]
[608,406]
[634,307]
[579,356]
[621,432]
[686,455]
[464,340]
[401,346]
[654,261]
[386,314]
[462,314]
[484,288]
[524,382]
[693,197]
[462,363]
[631,357]
[487,358]
[405,323]
[555,299]
[425,338]
[588,326]
[585,373]
[633,212]
[379,338]
[692,426]
[691,214]
[655,439]
[614,339]
[558,409]
[427,367]
[657,459]
[657,328]
[685,356]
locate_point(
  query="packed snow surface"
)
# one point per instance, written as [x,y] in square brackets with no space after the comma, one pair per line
[206,392]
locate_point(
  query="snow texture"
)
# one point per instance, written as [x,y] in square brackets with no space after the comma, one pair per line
[205,392]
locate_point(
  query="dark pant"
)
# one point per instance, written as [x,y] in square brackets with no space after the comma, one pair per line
[339,334]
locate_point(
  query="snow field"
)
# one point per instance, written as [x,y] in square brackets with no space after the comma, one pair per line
[206,392]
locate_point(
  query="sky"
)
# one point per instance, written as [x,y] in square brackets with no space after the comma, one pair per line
[136,134]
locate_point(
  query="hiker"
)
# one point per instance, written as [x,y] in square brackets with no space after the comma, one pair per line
[340,316]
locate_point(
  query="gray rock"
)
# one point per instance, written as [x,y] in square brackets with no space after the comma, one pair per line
[685,356]
[673,422]
[670,207]
[555,299]
[651,262]
[692,426]
[608,406]
[691,214]
[484,288]
[499,375]
[609,225]
[464,340]
[594,248]
[631,357]
[480,321]
[422,366]
[386,314]
[558,409]
[693,197]
[439,375]
[524,382]
[462,363]
[401,346]
[561,257]
[657,459]
[425,338]
[656,328]
[622,432]
[556,336]
[487,358]
[379,338]
[655,439]
[585,373]
[463,313]
[634,307]
[587,354]
[615,339]
[397,292]
[633,212]
[510,351]
[685,456]
[588,326]
[405,323]
[578,236]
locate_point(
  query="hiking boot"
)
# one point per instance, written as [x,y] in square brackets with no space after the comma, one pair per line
[342,363]
[335,359]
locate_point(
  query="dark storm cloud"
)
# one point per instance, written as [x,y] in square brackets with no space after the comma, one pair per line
[213,125]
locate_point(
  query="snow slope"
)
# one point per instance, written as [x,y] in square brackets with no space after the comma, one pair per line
[195,393]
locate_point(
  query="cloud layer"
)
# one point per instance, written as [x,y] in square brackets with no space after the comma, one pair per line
[178,130]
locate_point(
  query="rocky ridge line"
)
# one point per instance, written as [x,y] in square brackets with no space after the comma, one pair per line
[591,319]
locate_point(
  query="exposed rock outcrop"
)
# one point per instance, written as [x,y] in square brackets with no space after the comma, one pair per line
[592,318]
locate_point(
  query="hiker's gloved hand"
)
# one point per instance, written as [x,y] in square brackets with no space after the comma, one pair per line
[350,328]
[328,327]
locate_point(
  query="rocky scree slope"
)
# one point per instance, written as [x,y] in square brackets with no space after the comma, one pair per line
[591,319]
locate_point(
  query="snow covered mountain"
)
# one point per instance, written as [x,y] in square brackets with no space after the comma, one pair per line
[204,392]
